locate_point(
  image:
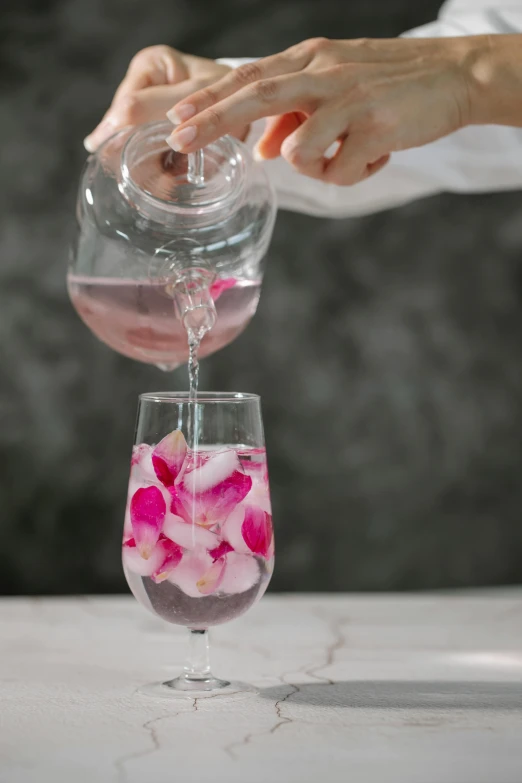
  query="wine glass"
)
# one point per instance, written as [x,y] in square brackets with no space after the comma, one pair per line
[198,546]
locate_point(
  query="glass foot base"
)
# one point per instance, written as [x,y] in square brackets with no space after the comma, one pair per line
[180,687]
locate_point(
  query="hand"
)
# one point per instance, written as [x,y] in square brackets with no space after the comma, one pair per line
[372,97]
[156,78]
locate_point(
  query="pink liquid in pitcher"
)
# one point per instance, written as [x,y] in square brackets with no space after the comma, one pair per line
[198,546]
[138,317]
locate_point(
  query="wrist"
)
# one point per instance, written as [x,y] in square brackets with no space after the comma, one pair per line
[493,72]
[478,67]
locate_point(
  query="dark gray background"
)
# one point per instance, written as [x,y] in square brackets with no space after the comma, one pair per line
[387,349]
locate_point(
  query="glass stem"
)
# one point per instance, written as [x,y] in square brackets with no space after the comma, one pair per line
[197,666]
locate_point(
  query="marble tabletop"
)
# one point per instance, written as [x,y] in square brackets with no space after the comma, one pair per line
[352,689]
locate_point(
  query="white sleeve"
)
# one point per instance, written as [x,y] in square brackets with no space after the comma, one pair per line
[475,159]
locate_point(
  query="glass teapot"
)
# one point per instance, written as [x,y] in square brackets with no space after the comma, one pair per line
[169,242]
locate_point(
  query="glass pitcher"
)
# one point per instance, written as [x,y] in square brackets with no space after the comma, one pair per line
[168,242]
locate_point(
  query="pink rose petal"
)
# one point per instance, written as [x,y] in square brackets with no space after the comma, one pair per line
[241,573]
[207,495]
[168,457]
[187,535]
[191,569]
[211,579]
[232,530]
[171,555]
[147,512]
[134,561]
[220,285]
[257,530]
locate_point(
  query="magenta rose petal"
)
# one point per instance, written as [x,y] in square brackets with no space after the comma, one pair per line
[172,554]
[168,457]
[220,285]
[259,495]
[257,530]
[177,507]
[147,513]
[220,551]
[224,498]
[134,561]
[162,471]
[188,536]
[242,573]
[133,486]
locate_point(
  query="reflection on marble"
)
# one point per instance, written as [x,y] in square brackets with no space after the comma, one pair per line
[420,689]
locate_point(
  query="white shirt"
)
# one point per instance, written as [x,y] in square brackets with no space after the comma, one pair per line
[475,159]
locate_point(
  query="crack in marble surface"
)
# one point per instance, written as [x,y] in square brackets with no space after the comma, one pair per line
[282,719]
[336,625]
[338,641]
[278,708]
[148,726]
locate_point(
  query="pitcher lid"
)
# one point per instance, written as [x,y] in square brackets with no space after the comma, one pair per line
[154,178]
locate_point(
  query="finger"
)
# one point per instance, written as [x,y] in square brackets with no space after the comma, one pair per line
[276,131]
[306,148]
[291,61]
[284,94]
[143,106]
[154,66]
[356,160]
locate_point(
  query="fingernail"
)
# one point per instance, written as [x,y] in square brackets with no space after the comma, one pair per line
[181,138]
[181,114]
[332,150]
[101,133]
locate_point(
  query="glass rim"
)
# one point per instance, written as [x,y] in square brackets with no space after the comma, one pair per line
[203,398]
